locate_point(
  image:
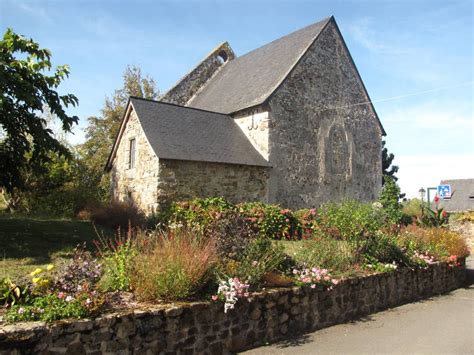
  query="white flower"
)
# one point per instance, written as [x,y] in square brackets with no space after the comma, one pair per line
[377,205]
[69,299]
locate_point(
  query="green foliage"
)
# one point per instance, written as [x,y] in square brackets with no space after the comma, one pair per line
[117,256]
[197,213]
[389,198]
[48,308]
[26,90]
[433,218]
[11,293]
[261,257]
[383,247]
[350,220]
[339,256]
[271,220]
[388,170]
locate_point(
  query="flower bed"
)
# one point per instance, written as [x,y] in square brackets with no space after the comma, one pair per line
[212,250]
[203,327]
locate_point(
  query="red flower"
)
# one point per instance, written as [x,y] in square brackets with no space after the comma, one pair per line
[444,214]
[436,199]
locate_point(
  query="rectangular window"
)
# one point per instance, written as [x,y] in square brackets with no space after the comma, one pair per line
[131,154]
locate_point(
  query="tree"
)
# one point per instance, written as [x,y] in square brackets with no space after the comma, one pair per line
[26,88]
[388,170]
[102,131]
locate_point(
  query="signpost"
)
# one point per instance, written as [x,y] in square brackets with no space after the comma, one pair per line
[444,191]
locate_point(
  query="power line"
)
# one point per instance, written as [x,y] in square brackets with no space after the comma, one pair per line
[416,93]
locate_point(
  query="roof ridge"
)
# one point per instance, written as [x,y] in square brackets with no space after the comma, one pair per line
[180,106]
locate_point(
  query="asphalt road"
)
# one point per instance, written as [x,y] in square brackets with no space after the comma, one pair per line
[440,325]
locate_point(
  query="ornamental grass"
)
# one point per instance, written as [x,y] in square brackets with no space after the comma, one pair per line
[175,264]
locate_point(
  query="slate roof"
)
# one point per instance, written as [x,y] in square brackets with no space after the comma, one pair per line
[183,133]
[250,79]
[461,191]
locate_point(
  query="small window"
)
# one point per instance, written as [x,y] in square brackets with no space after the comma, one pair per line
[131,153]
[222,57]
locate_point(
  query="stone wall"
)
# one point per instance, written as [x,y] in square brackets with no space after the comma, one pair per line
[192,82]
[322,147]
[183,180]
[255,123]
[140,183]
[204,328]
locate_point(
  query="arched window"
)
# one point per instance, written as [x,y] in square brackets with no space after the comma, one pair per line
[338,151]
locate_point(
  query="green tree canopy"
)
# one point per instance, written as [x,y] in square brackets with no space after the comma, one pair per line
[388,170]
[27,85]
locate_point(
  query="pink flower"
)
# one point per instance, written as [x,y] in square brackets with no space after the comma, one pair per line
[334,281]
[214,297]
[312,211]
[313,286]
[61,295]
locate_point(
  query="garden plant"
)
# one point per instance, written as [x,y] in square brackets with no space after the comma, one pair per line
[210,249]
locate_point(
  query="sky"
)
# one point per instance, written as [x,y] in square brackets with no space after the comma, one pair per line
[415,58]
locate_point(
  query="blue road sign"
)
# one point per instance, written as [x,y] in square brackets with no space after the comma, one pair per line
[444,191]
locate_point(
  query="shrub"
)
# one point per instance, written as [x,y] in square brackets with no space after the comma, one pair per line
[197,213]
[175,264]
[389,198]
[117,215]
[441,243]
[83,271]
[339,256]
[259,258]
[350,220]
[271,220]
[382,248]
[232,234]
[307,222]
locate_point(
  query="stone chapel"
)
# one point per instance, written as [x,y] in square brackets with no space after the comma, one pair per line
[289,123]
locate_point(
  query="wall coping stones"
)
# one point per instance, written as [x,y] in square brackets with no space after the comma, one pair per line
[203,327]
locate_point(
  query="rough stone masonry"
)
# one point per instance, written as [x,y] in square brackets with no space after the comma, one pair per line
[204,328]
[289,123]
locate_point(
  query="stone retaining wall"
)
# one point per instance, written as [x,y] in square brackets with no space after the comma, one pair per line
[204,328]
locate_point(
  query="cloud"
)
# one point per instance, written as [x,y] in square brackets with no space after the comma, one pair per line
[398,53]
[418,171]
[37,12]
[362,32]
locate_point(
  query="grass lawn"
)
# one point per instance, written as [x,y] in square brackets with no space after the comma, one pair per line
[27,243]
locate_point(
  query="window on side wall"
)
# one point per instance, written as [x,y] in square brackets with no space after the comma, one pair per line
[131,153]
